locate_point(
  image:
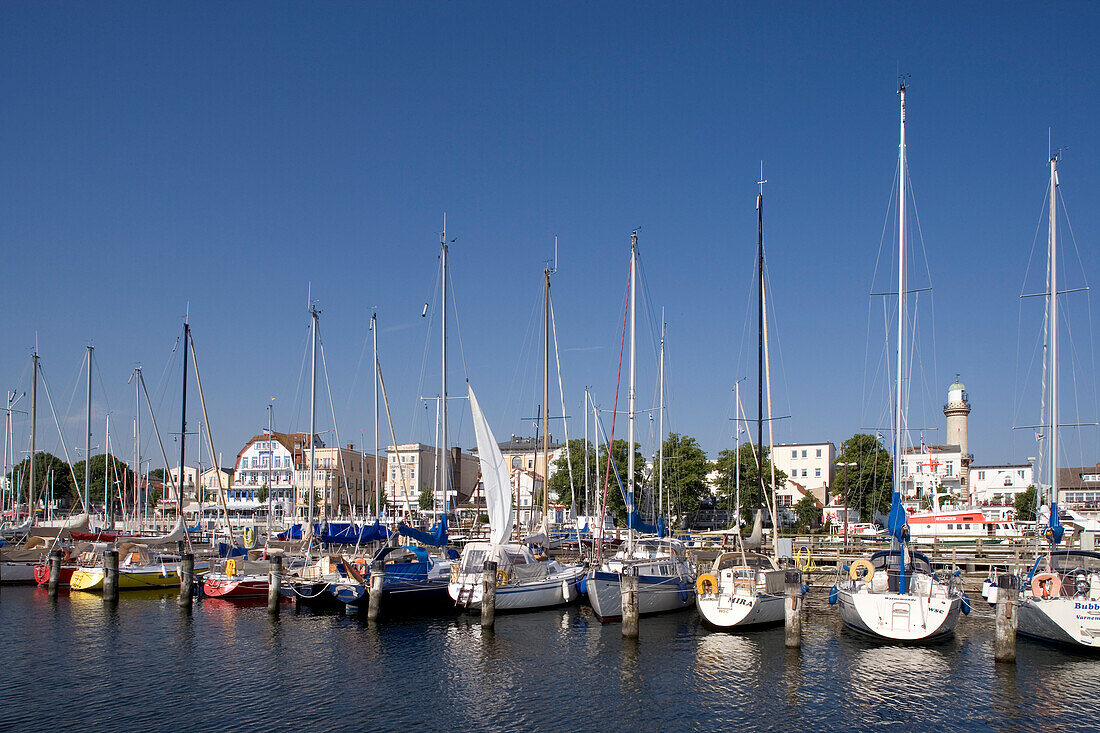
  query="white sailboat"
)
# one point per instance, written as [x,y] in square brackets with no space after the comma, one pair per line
[666,581]
[894,594]
[1060,597]
[746,588]
[523,582]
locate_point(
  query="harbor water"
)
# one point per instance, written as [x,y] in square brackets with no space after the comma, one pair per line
[145,665]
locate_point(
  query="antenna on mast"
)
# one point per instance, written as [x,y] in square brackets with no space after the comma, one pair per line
[762,180]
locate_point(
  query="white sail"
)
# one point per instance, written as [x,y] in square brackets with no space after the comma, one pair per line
[494,476]
[178,533]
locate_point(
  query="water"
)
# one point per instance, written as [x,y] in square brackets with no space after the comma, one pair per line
[148,666]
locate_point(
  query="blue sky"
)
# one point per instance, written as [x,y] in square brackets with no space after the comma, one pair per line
[154,155]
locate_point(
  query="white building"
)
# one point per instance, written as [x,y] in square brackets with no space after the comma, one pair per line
[928,468]
[999,484]
[268,459]
[810,468]
[412,468]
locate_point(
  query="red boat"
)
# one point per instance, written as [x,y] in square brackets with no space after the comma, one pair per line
[103,536]
[235,581]
[42,574]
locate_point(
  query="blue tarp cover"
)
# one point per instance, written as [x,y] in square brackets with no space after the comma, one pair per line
[437,537]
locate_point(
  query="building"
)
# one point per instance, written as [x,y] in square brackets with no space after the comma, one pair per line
[412,470]
[999,484]
[957,410]
[810,468]
[926,469]
[526,454]
[1079,489]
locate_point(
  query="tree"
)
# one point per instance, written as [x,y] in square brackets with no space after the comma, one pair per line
[159,475]
[685,468]
[44,463]
[559,481]
[262,493]
[807,512]
[869,483]
[427,499]
[598,476]
[1026,503]
[117,474]
[751,499]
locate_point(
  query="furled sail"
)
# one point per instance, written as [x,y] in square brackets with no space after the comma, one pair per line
[494,476]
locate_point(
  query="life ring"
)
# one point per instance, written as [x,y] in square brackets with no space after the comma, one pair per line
[857,566]
[502,576]
[230,567]
[706,584]
[1046,585]
[249,537]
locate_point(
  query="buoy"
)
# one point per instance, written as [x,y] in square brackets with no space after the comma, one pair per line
[706,584]
[857,566]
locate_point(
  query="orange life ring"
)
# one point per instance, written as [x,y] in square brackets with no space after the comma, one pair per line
[1046,585]
[706,584]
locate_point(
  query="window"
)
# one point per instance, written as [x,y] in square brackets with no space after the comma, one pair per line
[949,468]
[981,475]
[1020,473]
[951,526]
[803,454]
[794,454]
[805,472]
[968,526]
[819,453]
[817,472]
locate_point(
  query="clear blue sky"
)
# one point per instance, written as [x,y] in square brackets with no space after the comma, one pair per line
[227,155]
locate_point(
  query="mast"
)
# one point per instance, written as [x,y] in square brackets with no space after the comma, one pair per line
[898,405]
[586,514]
[630,397]
[737,448]
[661,424]
[443,472]
[1052,317]
[546,400]
[137,453]
[107,499]
[270,460]
[34,430]
[183,421]
[377,474]
[760,339]
[88,434]
[312,414]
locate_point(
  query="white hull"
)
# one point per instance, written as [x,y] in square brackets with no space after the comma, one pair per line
[727,611]
[555,590]
[17,572]
[656,594]
[1074,621]
[897,616]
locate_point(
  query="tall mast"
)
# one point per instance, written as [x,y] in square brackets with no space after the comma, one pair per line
[87,437]
[1052,317]
[760,339]
[107,498]
[183,420]
[377,473]
[137,453]
[546,398]
[312,414]
[270,460]
[661,423]
[34,430]
[898,405]
[586,514]
[630,397]
[737,448]
[443,472]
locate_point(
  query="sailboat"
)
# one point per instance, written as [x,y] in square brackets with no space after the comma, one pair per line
[1060,597]
[666,581]
[746,588]
[523,581]
[894,594]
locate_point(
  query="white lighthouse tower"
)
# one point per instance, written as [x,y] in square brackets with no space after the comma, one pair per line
[956,410]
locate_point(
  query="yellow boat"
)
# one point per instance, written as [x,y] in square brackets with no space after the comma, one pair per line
[138,569]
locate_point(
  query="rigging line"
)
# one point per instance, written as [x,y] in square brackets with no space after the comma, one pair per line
[458,327]
[561,393]
[774,330]
[415,421]
[516,386]
[61,437]
[76,383]
[296,404]
[102,387]
[615,408]
[358,366]
[335,426]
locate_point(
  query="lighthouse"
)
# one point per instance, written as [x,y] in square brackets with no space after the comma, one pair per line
[956,410]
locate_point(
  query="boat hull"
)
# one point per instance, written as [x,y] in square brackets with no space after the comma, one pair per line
[17,572]
[897,616]
[556,590]
[656,594]
[244,586]
[1071,621]
[732,611]
[144,578]
[42,574]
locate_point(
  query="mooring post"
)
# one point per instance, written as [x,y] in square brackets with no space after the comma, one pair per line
[55,573]
[792,617]
[374,602]
[628,583]
[110,576]
[489,594]
[187,579]
[1004,638]
[274,583]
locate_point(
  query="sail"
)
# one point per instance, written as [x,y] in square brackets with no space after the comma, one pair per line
[437,537]
[1055,530]
[635,522]
[494,476]
[178,533]
[897,524]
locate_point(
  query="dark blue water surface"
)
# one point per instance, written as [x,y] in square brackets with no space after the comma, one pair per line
[145,665]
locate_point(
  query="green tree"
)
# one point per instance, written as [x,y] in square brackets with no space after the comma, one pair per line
[44,463]
[599,476]
[117,474]
[1026,503]
[751,499]
[262,493]
[559,480]
[807,512]
[159,475]
[869,483]
[684,468]
[426,498]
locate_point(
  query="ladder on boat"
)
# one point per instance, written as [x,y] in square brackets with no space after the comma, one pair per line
[465,596]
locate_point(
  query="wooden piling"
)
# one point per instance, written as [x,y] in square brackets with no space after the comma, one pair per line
[628,584]
[187,579]
[792,616]
[1004,636]
[274,584]
[374,601]
[110,576]
[488,594]
[55,573]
